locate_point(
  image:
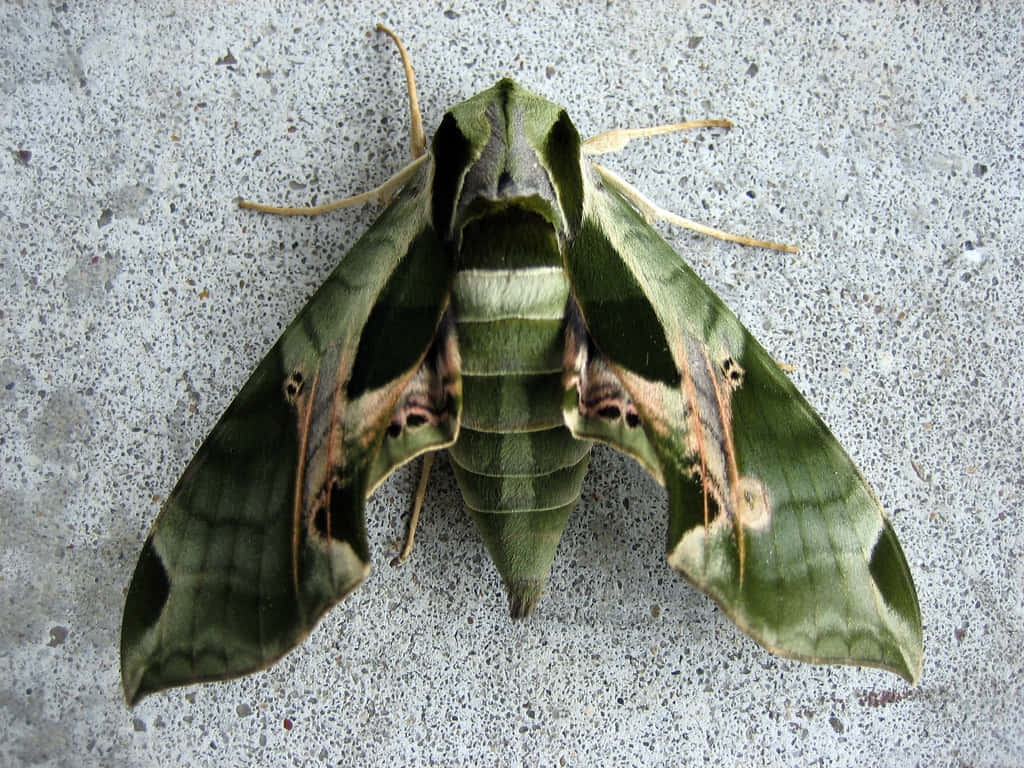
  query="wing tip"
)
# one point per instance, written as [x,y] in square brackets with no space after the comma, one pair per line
[906,657]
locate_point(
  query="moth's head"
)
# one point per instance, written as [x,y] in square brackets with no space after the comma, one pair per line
[507,147]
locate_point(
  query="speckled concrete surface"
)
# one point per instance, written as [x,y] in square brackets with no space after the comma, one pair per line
[136,298]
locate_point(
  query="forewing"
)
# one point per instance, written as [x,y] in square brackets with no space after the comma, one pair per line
[767,512]
[265,531]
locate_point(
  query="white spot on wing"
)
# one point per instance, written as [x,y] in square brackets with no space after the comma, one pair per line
[756,506]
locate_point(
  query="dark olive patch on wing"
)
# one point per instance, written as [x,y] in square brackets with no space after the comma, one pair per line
[404,319]
[618,314]
[342,518]
[889,570]
[148,592]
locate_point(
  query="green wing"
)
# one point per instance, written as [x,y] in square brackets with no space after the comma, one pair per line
[265,530]
[768,514]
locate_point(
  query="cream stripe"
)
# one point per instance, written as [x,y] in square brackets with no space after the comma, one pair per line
[533,293]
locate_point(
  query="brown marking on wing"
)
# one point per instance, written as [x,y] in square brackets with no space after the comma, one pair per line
[429,395]
[708,383]
[601,394]
[725,414]
[322,448]
[305,415]
[696,434]
[335,437]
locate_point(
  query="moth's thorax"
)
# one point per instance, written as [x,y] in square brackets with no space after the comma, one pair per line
[509,237]
[506,147]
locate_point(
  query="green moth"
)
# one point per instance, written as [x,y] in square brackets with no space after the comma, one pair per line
[512,306]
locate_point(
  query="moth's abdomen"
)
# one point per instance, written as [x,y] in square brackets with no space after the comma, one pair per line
[519,468]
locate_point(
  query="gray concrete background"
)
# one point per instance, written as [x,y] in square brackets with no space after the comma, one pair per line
[884,139]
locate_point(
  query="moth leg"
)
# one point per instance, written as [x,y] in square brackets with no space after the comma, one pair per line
[417,505]
[417,136]
[617,138]
[651,211]
[381,195]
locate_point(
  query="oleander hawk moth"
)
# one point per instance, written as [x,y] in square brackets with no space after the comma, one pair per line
[512,306]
